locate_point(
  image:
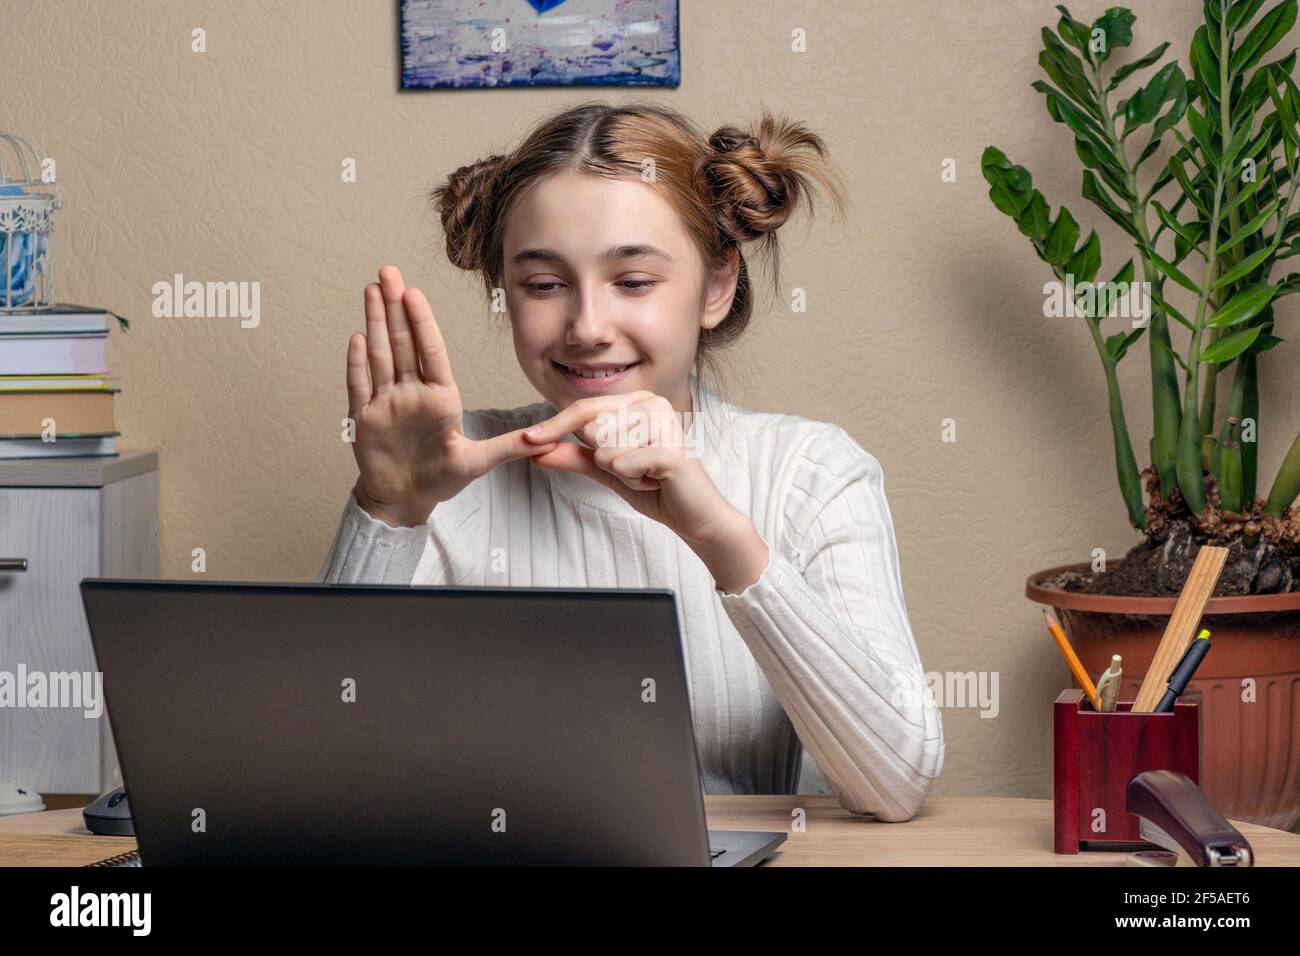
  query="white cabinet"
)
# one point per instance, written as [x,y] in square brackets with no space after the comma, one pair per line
[63,520]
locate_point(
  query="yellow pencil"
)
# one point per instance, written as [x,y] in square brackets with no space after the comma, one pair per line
[1076,668]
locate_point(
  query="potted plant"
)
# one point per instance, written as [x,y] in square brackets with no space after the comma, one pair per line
[1198,167]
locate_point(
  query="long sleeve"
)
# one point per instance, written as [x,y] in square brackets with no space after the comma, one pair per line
[828,625]
[366,550]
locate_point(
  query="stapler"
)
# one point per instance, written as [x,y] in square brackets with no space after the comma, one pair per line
[1175,814]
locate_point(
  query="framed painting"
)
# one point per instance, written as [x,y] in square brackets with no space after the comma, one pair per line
[476,43]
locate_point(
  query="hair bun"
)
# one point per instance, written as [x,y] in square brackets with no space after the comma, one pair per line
[465,206]
[758,178]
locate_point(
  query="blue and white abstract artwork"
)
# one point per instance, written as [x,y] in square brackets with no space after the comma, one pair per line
[474,43]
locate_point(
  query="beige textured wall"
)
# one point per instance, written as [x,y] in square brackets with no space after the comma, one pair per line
[927,305]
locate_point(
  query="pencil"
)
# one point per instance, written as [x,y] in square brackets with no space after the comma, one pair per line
[1076,668]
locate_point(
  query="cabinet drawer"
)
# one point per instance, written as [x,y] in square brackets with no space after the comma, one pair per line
[55,749]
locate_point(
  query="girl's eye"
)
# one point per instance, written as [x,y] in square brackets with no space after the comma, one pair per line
[632,285]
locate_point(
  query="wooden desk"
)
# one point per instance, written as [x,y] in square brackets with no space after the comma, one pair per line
[949,831]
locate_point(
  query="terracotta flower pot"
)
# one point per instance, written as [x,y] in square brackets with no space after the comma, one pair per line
[1250,751]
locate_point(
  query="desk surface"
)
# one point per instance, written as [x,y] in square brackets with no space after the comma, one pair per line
[948,831]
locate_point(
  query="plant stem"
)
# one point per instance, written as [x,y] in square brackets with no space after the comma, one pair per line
[1130,480]
[1191,480]
[1287,484]
[1164,376]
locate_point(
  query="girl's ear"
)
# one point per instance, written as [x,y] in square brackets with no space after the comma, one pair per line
[720,290]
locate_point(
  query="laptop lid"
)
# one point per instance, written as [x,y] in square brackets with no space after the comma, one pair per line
[368,724]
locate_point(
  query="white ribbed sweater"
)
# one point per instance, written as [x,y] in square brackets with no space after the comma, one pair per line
[820,644]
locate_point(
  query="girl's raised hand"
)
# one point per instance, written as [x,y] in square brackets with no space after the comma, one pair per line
[410,448]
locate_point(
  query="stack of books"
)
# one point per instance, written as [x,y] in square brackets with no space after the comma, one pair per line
[55,384]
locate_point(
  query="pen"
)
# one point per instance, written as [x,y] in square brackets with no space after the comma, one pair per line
[1182,674]
[1080,675]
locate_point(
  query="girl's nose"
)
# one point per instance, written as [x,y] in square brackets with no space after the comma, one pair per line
[590,326]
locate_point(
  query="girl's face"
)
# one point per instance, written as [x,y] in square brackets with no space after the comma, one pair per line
[601,275]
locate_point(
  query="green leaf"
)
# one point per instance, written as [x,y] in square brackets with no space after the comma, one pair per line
[993,158]
[1239,139]
[1152,145]
[1244,267]
[1093,192]
[1272,27]
[1170,220]
[1266,342]
[1087,261]
[1116,26]
[1128,69]
[1205,65]
[1282,104]
[1197,124]
[1182,246]
[1035,217]
[1243,11]
[1173,313]
[1117,344]
[1073,32]
[1175,166]
[1063,111]
[1239,199]
[1012,185]
[1246,304]
[1103,163]
[1256,90]
[1144,105]
[1230,346]
[1075,87]
[1178,358]
[1250,228]
[1171,270]
[1061,238]
[1173,115]
[1289,285]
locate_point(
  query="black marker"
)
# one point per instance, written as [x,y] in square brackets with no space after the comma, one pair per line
[1182,674]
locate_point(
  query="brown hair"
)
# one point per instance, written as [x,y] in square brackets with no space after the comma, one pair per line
[734,187]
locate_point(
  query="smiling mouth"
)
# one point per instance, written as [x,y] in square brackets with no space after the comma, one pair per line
[600,373]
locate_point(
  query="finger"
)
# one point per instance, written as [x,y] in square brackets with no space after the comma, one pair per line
[652,422]
[580,413]
[566,456]
[503,448]
[432,351]
[358,376]
[399,329]
[381,359]
[639,468]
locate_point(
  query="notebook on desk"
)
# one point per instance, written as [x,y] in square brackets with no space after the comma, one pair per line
[365,724]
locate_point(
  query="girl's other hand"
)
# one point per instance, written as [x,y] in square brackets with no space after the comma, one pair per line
[410,448]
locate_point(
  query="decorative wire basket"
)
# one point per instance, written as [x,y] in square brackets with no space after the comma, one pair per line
[27,206]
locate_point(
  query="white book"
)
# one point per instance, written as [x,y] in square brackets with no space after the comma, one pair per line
[62,318]
[63,448]
[76,354]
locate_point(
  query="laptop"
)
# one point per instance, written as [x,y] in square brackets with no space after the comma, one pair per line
[326,724]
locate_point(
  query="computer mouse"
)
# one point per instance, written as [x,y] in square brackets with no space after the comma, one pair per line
[110,815]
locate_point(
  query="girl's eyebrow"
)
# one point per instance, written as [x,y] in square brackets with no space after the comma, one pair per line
[614,252]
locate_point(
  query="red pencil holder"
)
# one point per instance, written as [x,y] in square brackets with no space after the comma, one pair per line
[1094,756]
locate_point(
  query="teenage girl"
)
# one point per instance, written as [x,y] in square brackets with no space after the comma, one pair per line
[612,237]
